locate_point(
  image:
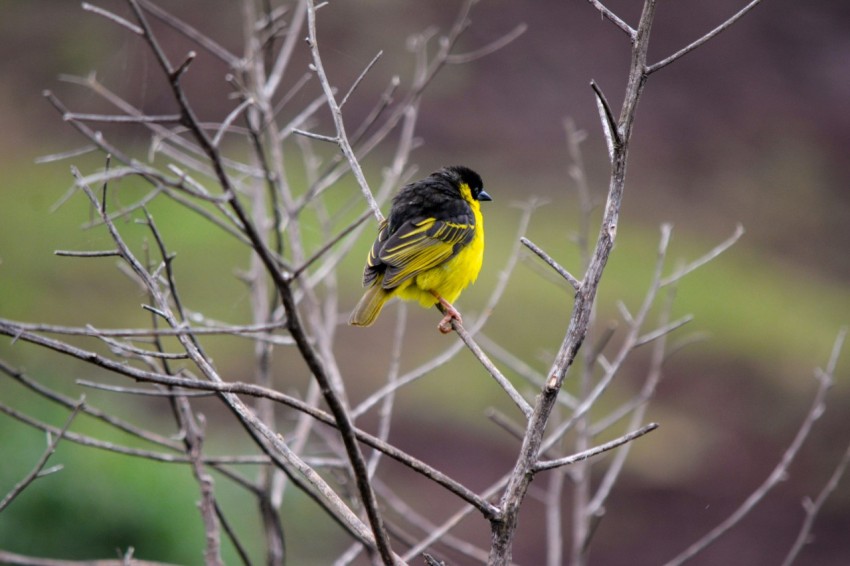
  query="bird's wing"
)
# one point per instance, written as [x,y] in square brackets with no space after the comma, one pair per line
[374,265]
[419,245]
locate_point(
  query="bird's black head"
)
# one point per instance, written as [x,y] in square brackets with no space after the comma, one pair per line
[458,174]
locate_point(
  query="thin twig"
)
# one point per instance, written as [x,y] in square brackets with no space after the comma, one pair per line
[699,262]
[201,39]
[360,78]
[97,253]
[336,113]
[330,139]
[184,329]
[685,50]
[595,507]
[663,330]
[119,119]
[779,473]
[611,368]
[476,350]
[65,154]
[812,509]
[584,455]
[538,251]
[7,557]
[466,337]
[613,140]
[330,244]
[39,466]
[143,392]
[113,17]
[614,19]
[510,37]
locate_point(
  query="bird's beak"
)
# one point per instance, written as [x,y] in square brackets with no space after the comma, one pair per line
[484,196]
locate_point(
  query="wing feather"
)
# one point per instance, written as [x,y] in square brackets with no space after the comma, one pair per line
[374,266]
[421,245]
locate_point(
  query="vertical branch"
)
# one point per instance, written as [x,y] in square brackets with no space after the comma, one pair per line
[580,472]
[341,137]
[504,527]
[261,295]
[386,409]
[554,519]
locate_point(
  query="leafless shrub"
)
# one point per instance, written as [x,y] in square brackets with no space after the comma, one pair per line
[251,195]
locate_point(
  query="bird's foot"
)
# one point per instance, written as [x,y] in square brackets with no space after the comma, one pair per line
[450,313]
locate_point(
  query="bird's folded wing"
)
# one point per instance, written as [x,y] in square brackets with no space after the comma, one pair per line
[421,245]
[374,265]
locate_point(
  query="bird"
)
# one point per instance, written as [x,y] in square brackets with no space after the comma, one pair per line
[429,248]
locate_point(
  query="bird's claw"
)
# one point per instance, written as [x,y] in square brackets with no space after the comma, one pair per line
[450,313]
[445,325]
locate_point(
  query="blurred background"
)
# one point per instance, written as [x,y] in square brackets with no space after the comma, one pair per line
[752,128]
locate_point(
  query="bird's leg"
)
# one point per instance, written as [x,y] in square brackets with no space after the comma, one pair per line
[450,313]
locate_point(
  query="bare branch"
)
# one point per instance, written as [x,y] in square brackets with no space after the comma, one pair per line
[315,136]
[184,329]
[518,399]
[662,331]
[38,470]
[341,137]
[812,508]
[549,464]
[285,54]
[685,50]
[538,251]
[639,406]
[609,123]
[228,121]
[697,263]
[72,253]
[143,392]
[613,18]
[7,557]
[113,17]
[330,244]
[65,154]
[201,39]
[779,473]
[502,532]
[360,78]
[118,119]
[125,450]
[508,38]
[281,198]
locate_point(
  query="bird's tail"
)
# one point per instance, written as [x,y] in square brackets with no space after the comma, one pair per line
[370,305]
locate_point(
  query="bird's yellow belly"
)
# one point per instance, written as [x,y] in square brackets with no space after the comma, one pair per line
[450,278]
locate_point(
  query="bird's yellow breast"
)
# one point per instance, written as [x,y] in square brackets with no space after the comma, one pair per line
[453,276]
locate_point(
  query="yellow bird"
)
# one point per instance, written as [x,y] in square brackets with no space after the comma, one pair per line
[429,248]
